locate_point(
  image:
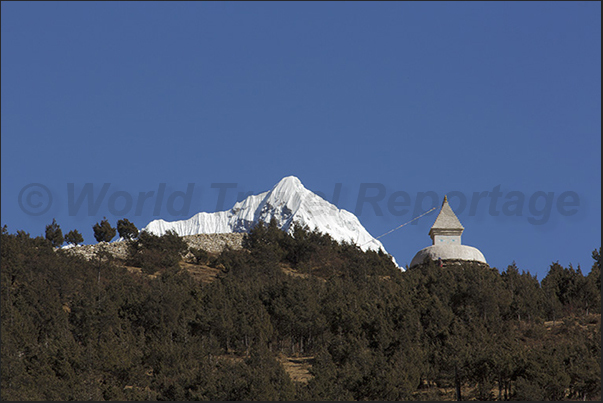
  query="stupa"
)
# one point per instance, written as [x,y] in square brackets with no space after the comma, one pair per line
[446,237]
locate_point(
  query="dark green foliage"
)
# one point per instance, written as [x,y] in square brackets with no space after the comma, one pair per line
[54,234]
[90,330]
[526,297]
[201,256]
[103,231]
[312,252]
[126,229]
[567,291]
[593,280]
[74,237]
[152,252]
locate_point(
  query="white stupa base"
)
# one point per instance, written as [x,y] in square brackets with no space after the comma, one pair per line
[448,252]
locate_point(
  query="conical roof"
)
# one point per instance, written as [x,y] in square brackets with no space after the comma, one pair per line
[446,220]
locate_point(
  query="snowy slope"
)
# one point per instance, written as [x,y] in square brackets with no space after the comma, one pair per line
[288,202]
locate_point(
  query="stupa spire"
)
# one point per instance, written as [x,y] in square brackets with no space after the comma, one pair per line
[447,228]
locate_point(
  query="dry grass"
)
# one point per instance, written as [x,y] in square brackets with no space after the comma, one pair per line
[202,273]
[298,368]
[292,272]
[138,270]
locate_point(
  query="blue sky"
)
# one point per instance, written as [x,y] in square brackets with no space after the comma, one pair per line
[381,98]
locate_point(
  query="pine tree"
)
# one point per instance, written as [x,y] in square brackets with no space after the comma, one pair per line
[74,237]
[103,232]
[54,234]
[126,229]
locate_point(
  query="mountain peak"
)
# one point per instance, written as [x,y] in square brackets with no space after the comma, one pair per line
[290,193]
[291,180]
[289,202]
[289,184]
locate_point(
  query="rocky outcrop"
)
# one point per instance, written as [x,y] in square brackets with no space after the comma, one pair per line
[212,243]
[215,243]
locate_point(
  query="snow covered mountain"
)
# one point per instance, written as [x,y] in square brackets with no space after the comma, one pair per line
[288,202]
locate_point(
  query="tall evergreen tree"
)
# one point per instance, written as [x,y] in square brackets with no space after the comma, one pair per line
[126,229]
[103,232]
[54,234]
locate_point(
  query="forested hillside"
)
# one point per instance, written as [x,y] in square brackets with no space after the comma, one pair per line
[149,329]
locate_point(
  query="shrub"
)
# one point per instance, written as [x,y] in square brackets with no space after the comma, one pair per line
[201,256]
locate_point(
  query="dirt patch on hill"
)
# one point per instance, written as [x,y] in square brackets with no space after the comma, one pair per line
[202,273]
[298,368]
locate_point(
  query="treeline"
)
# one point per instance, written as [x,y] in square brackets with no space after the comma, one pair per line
[92,330]
[103,232]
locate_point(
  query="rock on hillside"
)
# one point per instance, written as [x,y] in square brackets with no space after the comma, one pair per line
[212,243]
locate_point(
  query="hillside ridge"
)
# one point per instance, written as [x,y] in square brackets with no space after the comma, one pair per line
[212,243]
